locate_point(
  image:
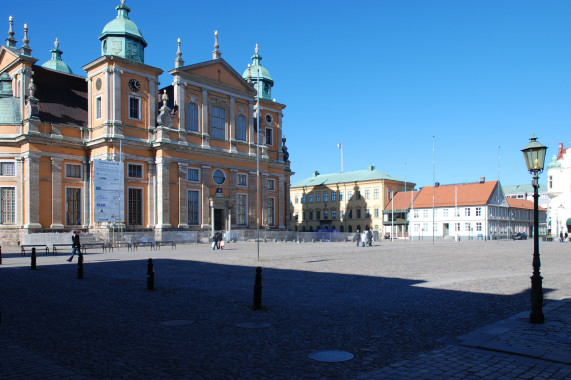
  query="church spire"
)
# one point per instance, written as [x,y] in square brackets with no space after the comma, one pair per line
[178,62]
[216,53]
[26,49]
[11,41]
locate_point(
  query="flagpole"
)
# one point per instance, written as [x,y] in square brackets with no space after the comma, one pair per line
[340,146]
[405,206]
[433,185]
[258,166]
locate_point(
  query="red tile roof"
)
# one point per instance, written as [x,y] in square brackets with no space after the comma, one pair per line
[402,200]
[465,194]
[522,204]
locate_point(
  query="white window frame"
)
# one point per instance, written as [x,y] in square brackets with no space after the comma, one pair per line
[12,213]
[98,107]
[245,176]
[333,196]
[139,106]
[142,189]
[478,211]
[2,166]
[193,170]
[215,120]
[68,222]
[467,211]
[129,164]
[188,208]
[69,165]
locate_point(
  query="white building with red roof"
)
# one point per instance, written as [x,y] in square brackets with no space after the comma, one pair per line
[477,210]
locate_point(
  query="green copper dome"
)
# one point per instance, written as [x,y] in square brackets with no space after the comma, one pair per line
[122,38]
[56,63]
[256,70]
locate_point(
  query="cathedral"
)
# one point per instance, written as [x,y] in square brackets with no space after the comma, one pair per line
[109,148]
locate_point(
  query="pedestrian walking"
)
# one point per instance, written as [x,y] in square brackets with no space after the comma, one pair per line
[214,241]
[75,245]
[561,236]
[358,237]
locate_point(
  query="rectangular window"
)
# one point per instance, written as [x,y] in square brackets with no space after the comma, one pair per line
[325,214]
[8,205]
[376,213]
[425,214]
[358,213]
[193,175]
[242,211]
[303,198]
[478,226]
[415,214]
[425,226]
[478,211]
[134,170]
[73,170]
[311,215]
[341,214]
[318,215]
[456,226]
[310,198]
[376,193]
[333,196]
[218,123]
[134,108]
[296,216]
[467,211]
[367,214]
[98,107]
[325,197]
[349,195]
[269,136]
[193,207]
[72,206]
[272,184]
[550,181]
[367,194]
[416,227]
[7,169]
[467,227]
[318,197]
[358,194]
[350,214]
[243,180]
[135,207]
[341,196]
[192,117]
[333,214]
[296,199]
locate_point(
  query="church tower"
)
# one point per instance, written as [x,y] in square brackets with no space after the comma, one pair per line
[257,71]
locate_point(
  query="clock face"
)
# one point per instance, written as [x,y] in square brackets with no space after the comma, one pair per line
[269,118]
[98,84]
[134,85]
[218,176]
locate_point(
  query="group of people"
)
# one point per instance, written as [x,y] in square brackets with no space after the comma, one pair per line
[365,238]
[218,241]
[563,238]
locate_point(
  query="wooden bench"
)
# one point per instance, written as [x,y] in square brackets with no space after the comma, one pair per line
[118,244]
[84,246]
[171,243]
[138,244]
[30,246]
[55,246]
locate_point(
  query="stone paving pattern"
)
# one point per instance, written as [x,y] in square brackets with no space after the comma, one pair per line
[403,309]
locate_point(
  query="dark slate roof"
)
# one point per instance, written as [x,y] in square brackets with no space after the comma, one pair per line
[63,97]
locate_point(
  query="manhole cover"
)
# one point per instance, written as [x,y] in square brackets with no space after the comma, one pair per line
[254,325]
[179,322]
[331,356]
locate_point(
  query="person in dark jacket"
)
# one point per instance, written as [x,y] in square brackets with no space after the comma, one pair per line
[75,245]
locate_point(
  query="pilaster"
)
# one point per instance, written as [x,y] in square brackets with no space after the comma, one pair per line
[205,174]
[163,194]
[20,174]
[57,222]
[204,123]
[182,202]
[152,193]
[232,124]
[32,207]
[281,202]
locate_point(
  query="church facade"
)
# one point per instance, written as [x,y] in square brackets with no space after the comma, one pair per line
[111,148]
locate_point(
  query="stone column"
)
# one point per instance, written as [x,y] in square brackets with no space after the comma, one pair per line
[232,124]
[32,185]
[152,206]
[182,203]
[56,194]
[20,191]
[205,174]
[281,202]
[163,195]
[204,122]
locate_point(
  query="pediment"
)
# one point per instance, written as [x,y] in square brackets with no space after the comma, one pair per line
[7,56]
[217,70]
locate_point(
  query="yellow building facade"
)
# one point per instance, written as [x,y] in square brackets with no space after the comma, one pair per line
[188,155]
[345,202]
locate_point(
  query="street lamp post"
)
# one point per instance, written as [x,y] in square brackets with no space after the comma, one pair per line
[534,154]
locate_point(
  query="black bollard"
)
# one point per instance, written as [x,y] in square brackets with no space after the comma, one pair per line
[80,266]
[150,275]
[33,258]
[258,289]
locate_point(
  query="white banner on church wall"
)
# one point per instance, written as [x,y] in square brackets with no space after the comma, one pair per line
[108,190]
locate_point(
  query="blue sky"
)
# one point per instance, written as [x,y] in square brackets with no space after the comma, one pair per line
[383,77]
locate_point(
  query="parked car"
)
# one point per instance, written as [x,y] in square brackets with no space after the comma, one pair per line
[520,236]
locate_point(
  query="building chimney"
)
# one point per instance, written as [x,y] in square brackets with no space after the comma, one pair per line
[482,179]
[315,173]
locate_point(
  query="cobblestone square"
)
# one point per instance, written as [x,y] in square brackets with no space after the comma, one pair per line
[384,304]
